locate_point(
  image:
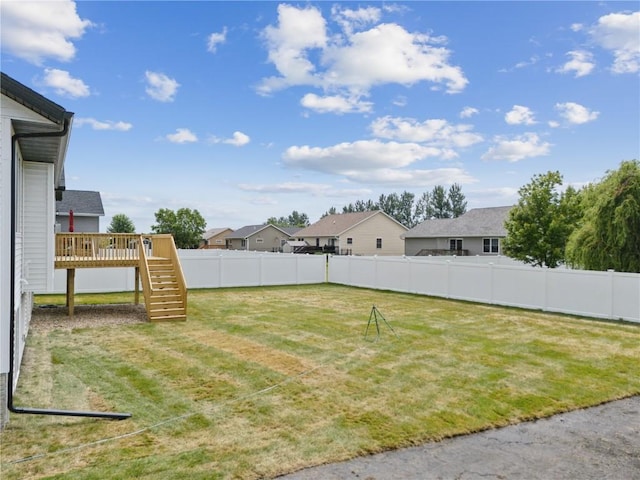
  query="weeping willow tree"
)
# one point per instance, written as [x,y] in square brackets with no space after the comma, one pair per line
[609,234]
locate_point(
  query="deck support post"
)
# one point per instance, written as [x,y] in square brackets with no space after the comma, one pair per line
[137,289]
[71,282]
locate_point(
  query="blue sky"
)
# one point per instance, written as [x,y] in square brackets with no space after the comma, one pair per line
[248,110]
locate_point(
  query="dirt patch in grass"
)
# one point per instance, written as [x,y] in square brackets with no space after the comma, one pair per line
[252,351]
[55,317]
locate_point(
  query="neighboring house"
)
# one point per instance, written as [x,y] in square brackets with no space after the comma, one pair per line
[360,233]
[35,134]
[87,210]
[480,231]
[261,238]
[215,238]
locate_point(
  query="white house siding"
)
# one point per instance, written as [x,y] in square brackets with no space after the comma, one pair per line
[38,212]
[365,234]
[10,110]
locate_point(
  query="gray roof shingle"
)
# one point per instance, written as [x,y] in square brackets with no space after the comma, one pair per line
[82,202]
[249,230]
[478,222]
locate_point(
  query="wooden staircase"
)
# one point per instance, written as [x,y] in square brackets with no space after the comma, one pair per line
[163,285]
[165,301]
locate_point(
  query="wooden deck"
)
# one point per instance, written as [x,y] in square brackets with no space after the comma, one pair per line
[148,254]
[95,250]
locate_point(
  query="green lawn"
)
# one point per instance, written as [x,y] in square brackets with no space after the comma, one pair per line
[263,381]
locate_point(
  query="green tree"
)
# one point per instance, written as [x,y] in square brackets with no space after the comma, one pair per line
[539,226]
[440,202]
[457,200]
[423,209]
[186,226]
[120,223]
[296,219]
[608,236]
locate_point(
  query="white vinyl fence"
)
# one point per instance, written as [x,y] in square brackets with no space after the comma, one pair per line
[210,269]
[609,295]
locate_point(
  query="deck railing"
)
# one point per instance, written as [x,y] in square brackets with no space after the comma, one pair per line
[97,249]
[442,252]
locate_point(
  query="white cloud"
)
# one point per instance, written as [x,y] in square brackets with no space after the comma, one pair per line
[238,139]
[35,31]
[433,132]
[468,112]
[160,87]
[620,33]
[412,178]
[335,104]
[103,125]
[64,84]
[574,113]
[356,62]
[388,53]
[517,148]
[351,20]
[363,155]
[216,39]
[553,124]
[182,135]
[581,63]
[520,115]
[287,187]
[298,31]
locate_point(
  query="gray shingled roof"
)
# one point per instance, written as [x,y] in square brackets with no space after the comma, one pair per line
[82,202]
[336,225]
[249,230]
[478,222]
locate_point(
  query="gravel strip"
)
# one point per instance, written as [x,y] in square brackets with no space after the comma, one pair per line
[51,317]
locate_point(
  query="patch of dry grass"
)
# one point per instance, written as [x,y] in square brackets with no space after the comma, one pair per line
[260,382]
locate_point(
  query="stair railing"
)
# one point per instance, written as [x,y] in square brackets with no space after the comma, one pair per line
[164,246]
[145,276]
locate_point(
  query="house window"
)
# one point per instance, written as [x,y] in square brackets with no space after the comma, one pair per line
[349,241]
[219,241]
[244,242]
[378,243]
[491,245]
[259,240]
[317,242]
[455,244]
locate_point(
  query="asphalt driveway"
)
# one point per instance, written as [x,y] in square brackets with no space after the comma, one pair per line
[596,443]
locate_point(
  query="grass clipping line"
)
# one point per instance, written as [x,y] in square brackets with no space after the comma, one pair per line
[456,368]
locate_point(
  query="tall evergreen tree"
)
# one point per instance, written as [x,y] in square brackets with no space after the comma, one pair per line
[457,200]
[440,202]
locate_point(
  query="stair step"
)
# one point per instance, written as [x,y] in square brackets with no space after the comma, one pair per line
[166,302]
[166,311]
[168,318]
